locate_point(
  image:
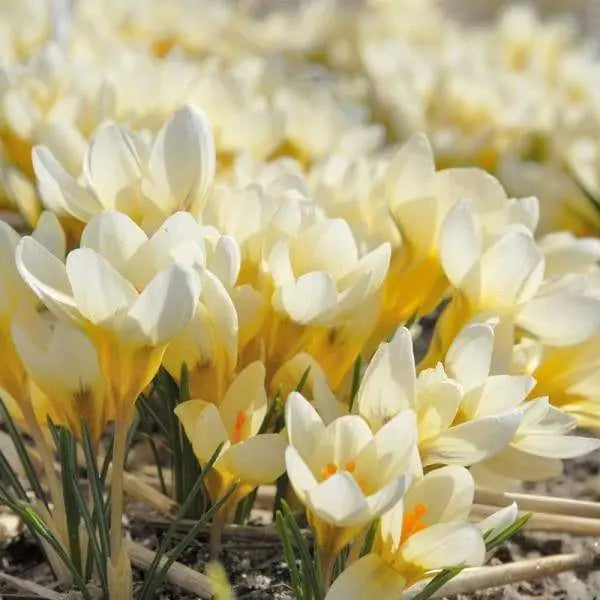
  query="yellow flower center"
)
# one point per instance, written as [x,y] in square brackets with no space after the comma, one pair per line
[238,428]
[412,523]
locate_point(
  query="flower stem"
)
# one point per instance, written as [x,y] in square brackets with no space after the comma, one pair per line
[216,533]
[116,486]
[327,562]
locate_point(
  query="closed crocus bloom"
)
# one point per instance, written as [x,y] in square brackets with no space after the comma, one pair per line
[248,457]
[425,532]
[342,473]
[62,362]
[503,275]
[390,385]
[130,327]
[14,294]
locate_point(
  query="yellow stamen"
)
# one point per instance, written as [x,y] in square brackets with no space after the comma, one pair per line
[328,470]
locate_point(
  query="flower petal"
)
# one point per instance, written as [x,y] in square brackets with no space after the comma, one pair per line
[165,307]
[259,460]
[469,358]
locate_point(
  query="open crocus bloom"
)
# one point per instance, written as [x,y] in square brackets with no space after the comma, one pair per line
[501,273]
[124,171]
[390,385]
[343,474]
[424,532]
[247,457]
[129,326]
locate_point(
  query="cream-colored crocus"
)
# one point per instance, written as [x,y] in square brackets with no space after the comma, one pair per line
[344,474]
[390,385]
[248,457]
[425,532]
[322,290]
[130,328]
[567,376]
[63,363]
[502,275]
[126,171]
[541,440]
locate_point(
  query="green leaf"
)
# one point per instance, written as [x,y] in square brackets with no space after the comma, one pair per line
[66,454]
[290,557]
[442,578]
[303,380]
[17,440]
[355,381]
[308,564]
[505,534]
[166,541]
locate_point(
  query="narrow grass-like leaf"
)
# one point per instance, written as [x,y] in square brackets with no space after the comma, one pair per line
[19,445]
[290,557]
[308,564]
[303,379]
[442,578]
[10,478]
[370,538]
[505,534]
[66,453]
[355,381]
[40,529]
[96,489]
[166,541]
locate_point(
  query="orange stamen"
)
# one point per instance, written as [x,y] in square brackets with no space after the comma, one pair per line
[412,523]
[329,470]
[350,466]
[238,428]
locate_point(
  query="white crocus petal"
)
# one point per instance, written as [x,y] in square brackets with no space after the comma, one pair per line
[47,277]
[445,545]
[325,246]
[115,236]
[258,460]
[251,308]
[300,475]
[447,493]
[341,442]
[515,464]
[324,399]
[59,191]
[307,298]
[279,263]
[182,160]
[390,526]
[339,501]
[376,264]
[551,421]
[498,393]
[499,521]
[579,318]
[203,427]
[388,453]
[165,306]
[226,261]
[556,446]
[50,234]
[303,424]
[460,242]
[473,441]
[113,167]
[246,394]
[370,573]
[388,385]
[100,291]
[384,500]
[511,270]
[469,358]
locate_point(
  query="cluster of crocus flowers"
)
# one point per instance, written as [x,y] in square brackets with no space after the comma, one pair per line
[159,249]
